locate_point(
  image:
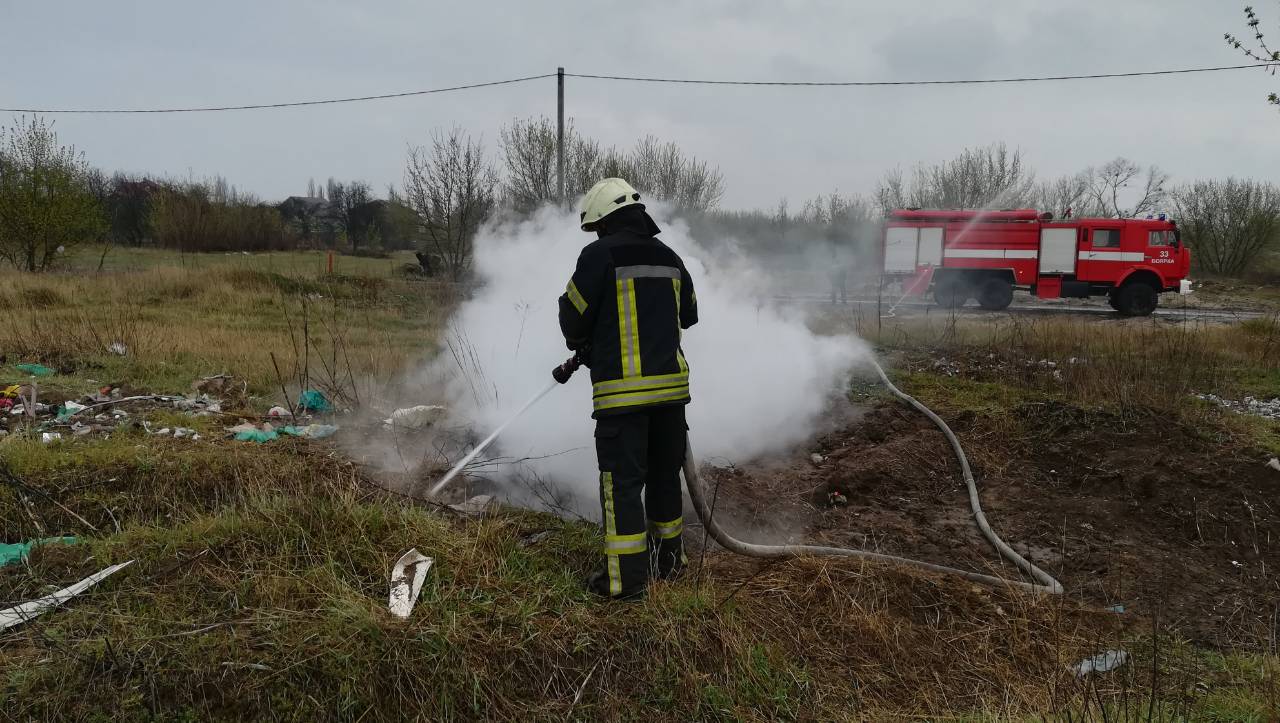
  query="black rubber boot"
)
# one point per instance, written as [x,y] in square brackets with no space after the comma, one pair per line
[598,583]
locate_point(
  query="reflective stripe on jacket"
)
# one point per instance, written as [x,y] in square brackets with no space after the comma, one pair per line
[625,306]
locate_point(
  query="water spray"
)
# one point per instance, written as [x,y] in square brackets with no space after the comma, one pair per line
[1045,582]
[559,375]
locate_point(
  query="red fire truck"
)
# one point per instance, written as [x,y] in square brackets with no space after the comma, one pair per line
[985,255]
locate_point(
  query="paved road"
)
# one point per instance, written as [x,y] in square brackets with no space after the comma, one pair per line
[913,308]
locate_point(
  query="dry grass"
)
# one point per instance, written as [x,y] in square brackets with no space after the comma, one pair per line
[265,596]
[179,324]
[261,582]
[1139,366]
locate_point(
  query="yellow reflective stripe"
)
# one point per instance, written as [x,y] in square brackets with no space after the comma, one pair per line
[635,328]
[675,285]
[630,400]
[625,544]
[575,297]
[667,530]
[610,528]
[639,385]
[684,366]
[615,575]
[625,289]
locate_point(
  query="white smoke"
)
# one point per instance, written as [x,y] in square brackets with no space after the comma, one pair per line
[759,378]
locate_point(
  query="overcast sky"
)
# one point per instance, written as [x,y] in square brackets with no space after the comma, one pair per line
[769,142]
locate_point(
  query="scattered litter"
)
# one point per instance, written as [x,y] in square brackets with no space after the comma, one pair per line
[1274,464]
[49,437]
[313,400]
[535,538]
[1118,609]
[278,411]
[19,614]
[311,431]
[247,432]
[1236,563]
[1101,663]
[478,505]
[817,458]
[69,409]
[836,498]
[253,434]
[18,551]
[1267,408]
[118,349]
[202,405]
[405,589]
[35,370]
[220,385]
[419,417]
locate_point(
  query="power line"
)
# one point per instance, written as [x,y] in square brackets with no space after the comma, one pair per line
[872,83]
[639,79]
[294,104]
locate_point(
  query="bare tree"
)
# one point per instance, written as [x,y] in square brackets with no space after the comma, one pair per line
[348,206]
[1230,223]
[47,202]
[529,155]
[987,177]
[453,189]
[1263,54]
[1069,194]
[662,171]
[1123,177]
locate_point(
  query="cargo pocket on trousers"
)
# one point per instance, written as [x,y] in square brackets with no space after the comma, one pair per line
[608,437]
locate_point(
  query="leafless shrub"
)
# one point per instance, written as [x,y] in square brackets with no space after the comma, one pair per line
[1229,224]
[453,189]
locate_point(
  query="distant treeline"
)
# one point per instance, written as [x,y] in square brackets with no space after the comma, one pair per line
[51,199]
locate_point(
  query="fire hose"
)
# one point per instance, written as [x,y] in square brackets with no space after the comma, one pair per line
[1046,583]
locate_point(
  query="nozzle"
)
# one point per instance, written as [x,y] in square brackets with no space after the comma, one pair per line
[563,372]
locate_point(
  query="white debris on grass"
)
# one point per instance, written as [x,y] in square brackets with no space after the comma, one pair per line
[419,417]
[1267,408]
[406,584]
[1101,663]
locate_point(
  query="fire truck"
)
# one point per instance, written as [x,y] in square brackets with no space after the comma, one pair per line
[985,255]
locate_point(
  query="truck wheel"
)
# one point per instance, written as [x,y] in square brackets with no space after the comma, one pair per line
[1136,299]
[1113,298]
[950,293]
[995,294]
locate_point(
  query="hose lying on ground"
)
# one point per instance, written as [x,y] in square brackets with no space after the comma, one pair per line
[1047,584]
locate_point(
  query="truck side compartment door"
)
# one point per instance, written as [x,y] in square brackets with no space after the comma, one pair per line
[900,249]
[1058,251]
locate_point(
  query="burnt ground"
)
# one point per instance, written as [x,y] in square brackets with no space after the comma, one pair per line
[1179,528]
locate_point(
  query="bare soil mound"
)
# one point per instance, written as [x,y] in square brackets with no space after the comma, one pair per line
[1165,520]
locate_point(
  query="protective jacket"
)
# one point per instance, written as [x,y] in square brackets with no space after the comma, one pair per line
[623,311]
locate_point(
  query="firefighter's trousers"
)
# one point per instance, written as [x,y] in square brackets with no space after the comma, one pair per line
[640,456]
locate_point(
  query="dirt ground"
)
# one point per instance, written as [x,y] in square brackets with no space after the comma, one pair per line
[1180,530]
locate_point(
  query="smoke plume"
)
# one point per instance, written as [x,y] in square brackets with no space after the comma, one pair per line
[759,378]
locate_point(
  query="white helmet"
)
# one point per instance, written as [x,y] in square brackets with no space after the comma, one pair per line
[604,198]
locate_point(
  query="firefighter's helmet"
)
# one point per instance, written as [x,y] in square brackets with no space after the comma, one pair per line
[604,198]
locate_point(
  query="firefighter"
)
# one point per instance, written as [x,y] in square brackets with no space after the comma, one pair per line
[623,313]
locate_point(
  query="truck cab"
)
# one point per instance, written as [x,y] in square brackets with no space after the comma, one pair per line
[1131,261]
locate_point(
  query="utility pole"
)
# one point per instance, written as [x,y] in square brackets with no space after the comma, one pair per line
[560,134]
